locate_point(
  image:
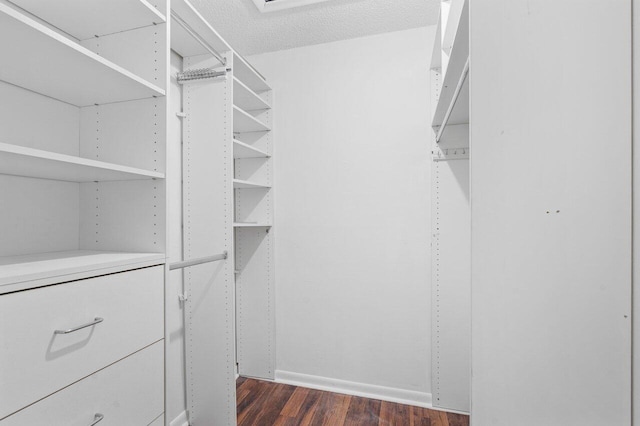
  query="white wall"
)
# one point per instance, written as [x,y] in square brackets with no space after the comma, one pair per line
[636,215]
[352,168]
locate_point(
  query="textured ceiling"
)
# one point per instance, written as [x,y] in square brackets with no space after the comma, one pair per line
[249,31]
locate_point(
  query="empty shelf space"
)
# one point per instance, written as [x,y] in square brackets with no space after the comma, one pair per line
[99,17]
[250,225]
[456,76]
[246,98]
[248,75]
[49,268]
[61,68]
[244,122]
[20,161]
[244,184]
[243,150]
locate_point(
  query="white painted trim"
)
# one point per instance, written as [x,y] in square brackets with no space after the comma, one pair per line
[282,4]
[181,420]
[401,396]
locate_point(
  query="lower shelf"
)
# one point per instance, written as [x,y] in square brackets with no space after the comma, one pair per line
[250,225]
[34,270]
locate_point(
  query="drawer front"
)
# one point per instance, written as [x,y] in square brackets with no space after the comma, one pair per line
[36,362]
[129,392]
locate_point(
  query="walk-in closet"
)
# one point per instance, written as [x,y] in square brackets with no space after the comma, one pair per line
[319,212]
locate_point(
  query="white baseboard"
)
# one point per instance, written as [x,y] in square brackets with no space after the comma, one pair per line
[181,420]
[400,396]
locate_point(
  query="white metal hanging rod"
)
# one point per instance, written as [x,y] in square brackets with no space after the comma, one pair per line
[199,261]
[199,39]
[454,99]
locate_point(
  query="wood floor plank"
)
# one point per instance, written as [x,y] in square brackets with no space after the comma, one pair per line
[363,411]
[263,403]
[293,405]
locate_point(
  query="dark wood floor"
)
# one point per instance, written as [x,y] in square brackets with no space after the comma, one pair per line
[263,403]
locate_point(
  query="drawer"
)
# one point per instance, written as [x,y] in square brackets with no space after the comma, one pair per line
[127,393]
[36,362]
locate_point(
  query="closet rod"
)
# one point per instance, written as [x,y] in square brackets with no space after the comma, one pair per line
[199,261]
[454,99]
[199,39]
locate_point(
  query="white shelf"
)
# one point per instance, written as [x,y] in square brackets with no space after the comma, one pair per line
[41,60]
[454,75]
[244,122]
[183,43]
[250,225]
[249,76]
[99,17]
[247,99]
[28,271]
[244,184]
[20,161]
[243,150]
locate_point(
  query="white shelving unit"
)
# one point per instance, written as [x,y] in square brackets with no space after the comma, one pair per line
[84,207]
[87,176]
[450,210]
[253,217]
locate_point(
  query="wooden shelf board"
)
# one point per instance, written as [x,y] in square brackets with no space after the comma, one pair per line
[454,72]
[62,69]
[250,225]
[99,17]
[20,161]
[245,73]
[244,122]
[244,184]
[243,150]
[33,270]
[247,99]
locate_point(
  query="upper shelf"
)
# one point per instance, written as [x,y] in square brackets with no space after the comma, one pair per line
[185,44]
[20,161]
[243,150]
[99,17]
[248,75]
[456,77]
[244,122]
[246,98]
[61,68]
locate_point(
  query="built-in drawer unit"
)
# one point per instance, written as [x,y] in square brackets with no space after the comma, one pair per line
[54,336]
[129,392]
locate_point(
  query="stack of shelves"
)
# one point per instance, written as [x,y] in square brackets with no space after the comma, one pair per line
[253,218]
[252,145]
[59,94]
[83,212]
[450,67]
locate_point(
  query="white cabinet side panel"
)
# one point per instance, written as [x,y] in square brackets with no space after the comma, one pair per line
[451,274]
[551,212]
[208,217]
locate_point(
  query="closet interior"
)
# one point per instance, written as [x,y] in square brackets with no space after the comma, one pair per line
[138,224]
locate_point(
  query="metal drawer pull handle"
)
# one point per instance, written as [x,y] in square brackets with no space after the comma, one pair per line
[97,419]
[80,327]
